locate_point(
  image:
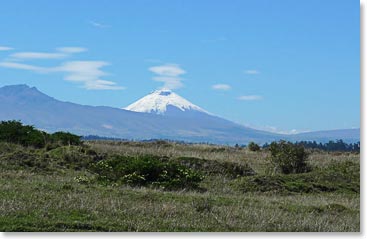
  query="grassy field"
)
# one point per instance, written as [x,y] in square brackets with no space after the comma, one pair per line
[56,190]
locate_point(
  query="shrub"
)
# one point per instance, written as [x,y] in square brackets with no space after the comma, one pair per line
[253,147]
[66,138]
[15,132]
[288,158]
[210,167]
[26,135]
[146,170]
[340,177]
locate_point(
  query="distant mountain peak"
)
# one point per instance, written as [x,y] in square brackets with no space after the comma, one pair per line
[160,101]
[23,92]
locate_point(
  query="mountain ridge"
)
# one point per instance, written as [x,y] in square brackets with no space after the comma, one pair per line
[31,106]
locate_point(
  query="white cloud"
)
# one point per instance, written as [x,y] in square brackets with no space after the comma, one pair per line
[71,50]
[252,72]
[87,73]
[98,24]
[276,130]
[280,131]
[107,126]
[169,82]
[5,48]
[37,55]
[61,53]
[250,97]
[167,70]
[169,75]
[20,66]
[221,87]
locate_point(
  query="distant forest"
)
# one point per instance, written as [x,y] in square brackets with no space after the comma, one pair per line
[331,146]
[338,145]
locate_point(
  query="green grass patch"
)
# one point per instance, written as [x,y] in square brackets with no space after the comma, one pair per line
[340,177]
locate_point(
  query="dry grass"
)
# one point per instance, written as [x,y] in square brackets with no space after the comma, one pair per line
[54,201]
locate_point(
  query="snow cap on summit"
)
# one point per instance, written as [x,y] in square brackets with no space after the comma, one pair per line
[158,101]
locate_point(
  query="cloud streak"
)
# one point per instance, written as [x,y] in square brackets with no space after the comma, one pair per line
[71,50]
[98,24]
[222,87]
[250,97]
[87,73]
[5,48]
[20,66]
[61,53]
[252,72]
[169,74]
[37,55]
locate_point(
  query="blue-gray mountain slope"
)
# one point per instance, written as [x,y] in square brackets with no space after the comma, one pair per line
[21,102]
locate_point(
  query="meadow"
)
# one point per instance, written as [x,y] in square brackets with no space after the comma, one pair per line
[223,189]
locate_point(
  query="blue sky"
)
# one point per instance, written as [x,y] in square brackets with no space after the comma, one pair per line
[285,65]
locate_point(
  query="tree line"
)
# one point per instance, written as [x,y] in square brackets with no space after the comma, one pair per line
[338,145]
[13,131]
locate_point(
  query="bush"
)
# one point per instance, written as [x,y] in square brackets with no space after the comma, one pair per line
[65,138]
[210,167]
[14,132]
[288,158]
[253,146]
[340,177]
[146,170]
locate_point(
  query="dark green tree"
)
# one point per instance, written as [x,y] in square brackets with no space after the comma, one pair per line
[253,146]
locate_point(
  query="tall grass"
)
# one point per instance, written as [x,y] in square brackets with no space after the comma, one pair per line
[57,199]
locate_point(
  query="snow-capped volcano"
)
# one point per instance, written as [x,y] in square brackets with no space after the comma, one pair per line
[163,102]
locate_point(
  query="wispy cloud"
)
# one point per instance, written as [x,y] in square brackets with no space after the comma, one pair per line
[98,24]
[169,74]
[252,72]
[5,48]
[87,73]
[250,97]
[20,66]
[37,55]
[61,53]
[274,129]
[71,50]
[221,87]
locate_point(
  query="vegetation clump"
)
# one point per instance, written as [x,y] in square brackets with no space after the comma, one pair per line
[146,170]
[252,146]
[340,177]
[26,135]
[288,158]
[211,167]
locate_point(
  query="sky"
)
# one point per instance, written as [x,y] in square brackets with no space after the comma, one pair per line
[283,66]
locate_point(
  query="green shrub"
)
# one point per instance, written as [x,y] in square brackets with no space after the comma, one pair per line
[288,158]
[146,170]
[15,132]
[253,147]
[26,135]
[66,138]
[229,169]
[339,177]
